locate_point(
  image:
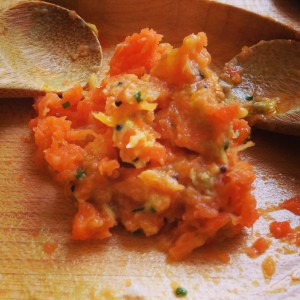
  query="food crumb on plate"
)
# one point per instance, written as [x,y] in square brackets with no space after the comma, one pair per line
[258,247]
[268,267]
[292,204]
[50,247]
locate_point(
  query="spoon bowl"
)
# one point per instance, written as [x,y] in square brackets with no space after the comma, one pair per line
[44,47]
[269,74]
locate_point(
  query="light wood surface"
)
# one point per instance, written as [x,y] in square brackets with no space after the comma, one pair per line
[33,211]
[285,11]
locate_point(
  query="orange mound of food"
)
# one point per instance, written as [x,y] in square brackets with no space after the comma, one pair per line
[293,205]
[155,147]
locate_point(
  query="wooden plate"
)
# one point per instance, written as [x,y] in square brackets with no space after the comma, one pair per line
[34,216]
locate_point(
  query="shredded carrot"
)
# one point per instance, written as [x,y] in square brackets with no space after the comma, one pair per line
[280,229]
[138,54]
[155,147]
[88,221]
[259,247]
[232,74]
[297,242]
[292,205]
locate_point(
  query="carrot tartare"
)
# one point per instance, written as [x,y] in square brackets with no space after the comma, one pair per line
[155,147]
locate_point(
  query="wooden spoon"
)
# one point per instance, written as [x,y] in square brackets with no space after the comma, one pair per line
[270,84]
[44,47]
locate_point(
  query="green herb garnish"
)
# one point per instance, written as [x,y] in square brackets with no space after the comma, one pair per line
[66,104]
[152,210]
[180,291]
[226,145]
[249,98]
[81,173]
[138,96]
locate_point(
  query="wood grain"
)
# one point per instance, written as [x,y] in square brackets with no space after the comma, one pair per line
[33,210]
[286,12]
[271,70]
[44,47]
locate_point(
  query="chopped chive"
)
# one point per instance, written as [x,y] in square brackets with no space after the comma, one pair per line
[226,145]
[249,98]
[152,210]
[66,104]
[118,103]
[180,291]
[138,209]
[138,96]
[81,173]
[119,127]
